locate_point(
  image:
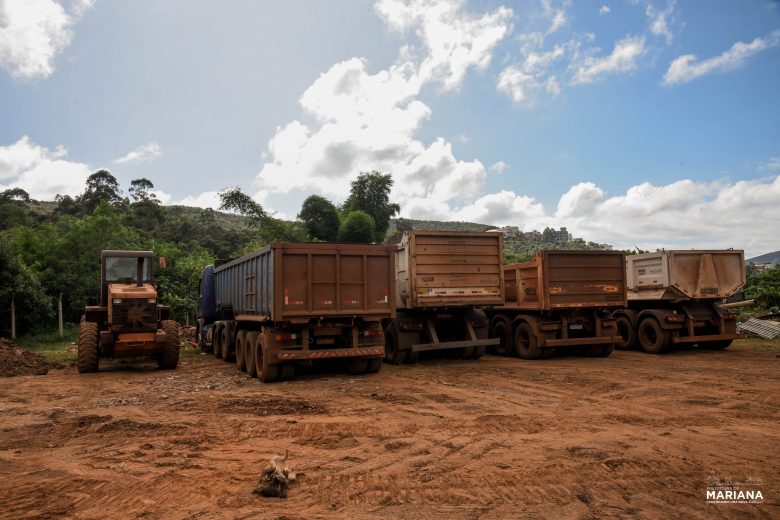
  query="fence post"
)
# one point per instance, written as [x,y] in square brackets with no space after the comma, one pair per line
[59,315]
[13,318]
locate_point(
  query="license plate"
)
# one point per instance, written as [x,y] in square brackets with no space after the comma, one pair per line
[575,326]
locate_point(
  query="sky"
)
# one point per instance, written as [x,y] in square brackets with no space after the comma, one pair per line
[631,122]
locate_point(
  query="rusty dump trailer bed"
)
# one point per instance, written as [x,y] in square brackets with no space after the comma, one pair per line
[298,302]
[443,279]
[674,297]
[560,299]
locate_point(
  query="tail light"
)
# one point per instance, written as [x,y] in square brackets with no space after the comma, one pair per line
[674,318]
[285,337]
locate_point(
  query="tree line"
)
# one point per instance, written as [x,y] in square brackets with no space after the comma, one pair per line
[48,249]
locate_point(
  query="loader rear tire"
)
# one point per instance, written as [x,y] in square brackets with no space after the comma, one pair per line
[626,331]
[88,347]
[168,356]
[652,338]
[240,346]
[250,351]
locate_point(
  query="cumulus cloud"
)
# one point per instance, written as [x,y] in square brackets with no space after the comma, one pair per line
[687,68]
[499,167]
[367,121]
[41,172]
[33,33]
[604,9]
[623,59]
[661,19]
[207,199]
[144,153]
[773,165]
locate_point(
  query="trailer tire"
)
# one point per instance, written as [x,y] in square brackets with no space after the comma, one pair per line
[202,340]
[599,350]
[249,353]
[717,345]
[374,365]
[358,366]
[479,352]
[168,356]
[411,357]
[626,331]
[392,355]
[502,330]
[240,346]
[466,353]
[88,347]
[526,343]
[652,338]
[286,371]
[266,372]
[225,344]
[216,341]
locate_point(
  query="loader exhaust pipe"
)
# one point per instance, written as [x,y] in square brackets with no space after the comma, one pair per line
[140,271]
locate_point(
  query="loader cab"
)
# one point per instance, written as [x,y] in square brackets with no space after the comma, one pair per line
[124,268]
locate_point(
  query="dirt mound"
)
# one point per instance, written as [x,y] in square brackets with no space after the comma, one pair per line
[16,361]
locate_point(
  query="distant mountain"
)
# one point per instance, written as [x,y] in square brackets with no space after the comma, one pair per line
[768,258]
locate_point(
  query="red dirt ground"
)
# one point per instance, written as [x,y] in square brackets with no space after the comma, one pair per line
[630,436]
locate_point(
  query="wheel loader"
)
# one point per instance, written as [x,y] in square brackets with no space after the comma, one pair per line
[128,322]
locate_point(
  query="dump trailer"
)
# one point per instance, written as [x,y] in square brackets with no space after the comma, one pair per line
[443,281]
[293,303]
[674,298]
[560,300]
[128,320]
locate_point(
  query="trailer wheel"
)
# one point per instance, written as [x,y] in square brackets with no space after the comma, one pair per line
[374,365]
[287,371]
[250,351]
[88,347]
[503,331]
[599,350]
[392,355]
[652,338]
[168,357]
[466,353]
[240,347]
[202,340]
[216,341]
[225,344]
[479,352]
[526,344]
[266,372]
[717,345]
[358,366]
[627,332]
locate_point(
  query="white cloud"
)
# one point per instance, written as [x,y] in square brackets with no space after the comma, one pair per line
[604,9]
[41,172]
[524,81]
[499,167]
[144,153]
[367,121]
[207,199]
[623,59]
[660,20]
[686,68]
[33,33]
[773,165]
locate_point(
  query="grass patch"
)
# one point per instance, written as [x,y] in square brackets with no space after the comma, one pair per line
[47,343]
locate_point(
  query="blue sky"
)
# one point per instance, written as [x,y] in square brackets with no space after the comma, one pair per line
[649,123]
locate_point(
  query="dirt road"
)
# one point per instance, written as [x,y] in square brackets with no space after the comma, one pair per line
[631,436]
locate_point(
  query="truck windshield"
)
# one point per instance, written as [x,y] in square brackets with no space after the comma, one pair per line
[123,269]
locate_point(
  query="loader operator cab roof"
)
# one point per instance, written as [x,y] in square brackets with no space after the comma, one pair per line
[123,267]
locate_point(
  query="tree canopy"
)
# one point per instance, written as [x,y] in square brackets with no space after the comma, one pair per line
[370,193]
[321,218]
[357,226]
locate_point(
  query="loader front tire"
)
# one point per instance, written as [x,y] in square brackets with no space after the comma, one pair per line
[168,356]
[88,347]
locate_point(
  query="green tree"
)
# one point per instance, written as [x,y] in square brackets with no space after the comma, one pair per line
[13,208]
[320,217]
[19,282]
[764,288]
[357,226]
[268,228]
[140,190]
[370,193]
[101,187]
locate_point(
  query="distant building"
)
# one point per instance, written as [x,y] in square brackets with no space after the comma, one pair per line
[561,236]
[508,231]
[762,268]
